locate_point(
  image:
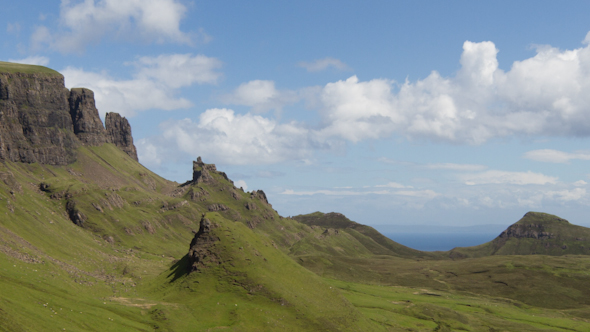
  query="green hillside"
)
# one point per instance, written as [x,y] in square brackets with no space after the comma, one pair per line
[535,234]
[102,244]
[361,236]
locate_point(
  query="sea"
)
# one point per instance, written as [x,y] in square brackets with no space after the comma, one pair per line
[440,238]
[441,241]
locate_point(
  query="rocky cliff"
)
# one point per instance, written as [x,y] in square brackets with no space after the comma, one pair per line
[42,121]
[119,133]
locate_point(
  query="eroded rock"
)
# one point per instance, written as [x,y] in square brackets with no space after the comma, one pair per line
[202,247]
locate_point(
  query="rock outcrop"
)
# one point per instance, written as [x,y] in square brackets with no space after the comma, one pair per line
[87,125]
[202,172]
[119,133]
[201,252]
[531,231]
[41,121]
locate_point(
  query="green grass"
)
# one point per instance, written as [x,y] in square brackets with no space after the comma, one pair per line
[10,67]
[420,309]
[126,268]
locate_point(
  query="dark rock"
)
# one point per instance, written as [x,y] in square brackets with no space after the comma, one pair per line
[201,171]
[44,187]
[533,231]
[202,251]
[35,121]
[119,133]
[76,216]
[250,206]
[260,195]
[87,124]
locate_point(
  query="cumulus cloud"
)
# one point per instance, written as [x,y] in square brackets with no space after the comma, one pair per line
[555,156]
[261,95]
[323,64]
[548,94]
[32,60]
[241,184]
[87,22]
[154,84]
[504,177]
[545,95]
[231,138]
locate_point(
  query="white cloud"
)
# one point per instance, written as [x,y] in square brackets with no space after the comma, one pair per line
[179,70]
[554,156]
[503,177]
[580,183]
[241,184]
[231,138]
[32,60]
[456,167]
[87,22]
[429,194]
[323,64]
[153,86]
[392,185]
[545,95]
[567,195]
[261,95]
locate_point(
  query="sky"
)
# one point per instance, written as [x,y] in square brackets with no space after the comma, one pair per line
[420,113]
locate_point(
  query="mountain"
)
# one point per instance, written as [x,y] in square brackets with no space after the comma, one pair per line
[535,233]
[90,240]
[360,236]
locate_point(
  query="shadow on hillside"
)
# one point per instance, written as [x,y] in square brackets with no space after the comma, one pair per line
[180,268]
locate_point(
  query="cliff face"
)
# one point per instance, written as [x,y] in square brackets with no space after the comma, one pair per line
[87,125]
[119,133]
[42,121]
[35,121]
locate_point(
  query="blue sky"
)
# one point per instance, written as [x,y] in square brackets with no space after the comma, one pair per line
[452,113]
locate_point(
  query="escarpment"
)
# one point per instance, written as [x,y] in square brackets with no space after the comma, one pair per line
[41,121]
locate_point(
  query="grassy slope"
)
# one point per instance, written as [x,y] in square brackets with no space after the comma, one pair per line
[10,67]
[125,269]
[366,237]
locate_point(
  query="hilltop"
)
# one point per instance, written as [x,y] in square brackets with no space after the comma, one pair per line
[91,240]
[535,233]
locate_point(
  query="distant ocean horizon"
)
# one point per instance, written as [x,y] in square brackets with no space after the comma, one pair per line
[441,241]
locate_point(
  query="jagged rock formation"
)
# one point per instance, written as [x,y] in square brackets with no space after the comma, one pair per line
[260,195]
[87,125]
[119,133]
[42,122]
[201,249]
[202,172]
